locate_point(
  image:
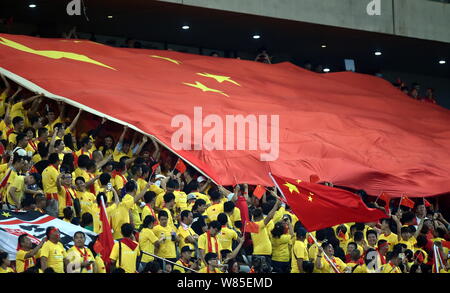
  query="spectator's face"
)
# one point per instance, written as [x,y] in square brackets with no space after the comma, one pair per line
[428,224]
[146,155]
[61,146]
[213,262]
[421,210]
[81,185]
[45,135]
[189,219]
[67,179]
[38,123]
[384,225]
[78,240]
[126,148]
[20,126]
[51,116]
[108,142]
[406,235]
[350,248]
[235,267]
[29,180]
[30,134]
[213,231]
[163,221]
[26,243]
[372,239]
[201,209]
[186,255]
[329,250]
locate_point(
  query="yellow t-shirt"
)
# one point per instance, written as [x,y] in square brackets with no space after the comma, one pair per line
[51,125]
[128,257]
[75,258]
[180,201]
[17,110]
[183,234]
[21,261]
[205,271]
[147,212]
[167,248]
[55,254]
[6,271]
[80,173]
[326,267]
[299,251]
[203,196]
[226,237]
[261,240]
[392,239]
[120,215]
[18,183]
[49,176]
[280,248]
[3,96]
[117,155]
[119,183]
[101,269]
[62,199]
[147,240]
[88,202]
[234,217]
[389,268]
[170,219]
[203,244]
[213,211]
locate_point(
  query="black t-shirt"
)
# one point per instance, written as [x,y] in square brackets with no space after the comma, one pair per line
[41,165]
[198,223]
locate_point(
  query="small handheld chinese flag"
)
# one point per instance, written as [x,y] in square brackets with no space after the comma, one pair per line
[259,191]
[426,203]
[180,166]
[251,227]
[154,167]
[406,202]
[446,244]
[386,198]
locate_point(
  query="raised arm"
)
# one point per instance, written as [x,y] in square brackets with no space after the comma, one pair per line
[62,110]
[58,182]
[51,148]
[399,227]
[19,89]
[156,154]
[122,136]
[141,146]
[7,85]
[75,120]
[235,251]
[419,228]
[35,250]
[31,99]
[141,195]
[104,161]
[272,212]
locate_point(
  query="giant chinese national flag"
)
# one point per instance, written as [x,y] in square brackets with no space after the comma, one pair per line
[320,206]
[350,129]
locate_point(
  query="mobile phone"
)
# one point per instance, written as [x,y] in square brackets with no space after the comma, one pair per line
[109,186]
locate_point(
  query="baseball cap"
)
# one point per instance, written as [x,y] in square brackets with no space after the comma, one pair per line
[200,179]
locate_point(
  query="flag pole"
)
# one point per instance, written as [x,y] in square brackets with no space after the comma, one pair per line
[400,204]
[314,239]
[379,196]
[176,165]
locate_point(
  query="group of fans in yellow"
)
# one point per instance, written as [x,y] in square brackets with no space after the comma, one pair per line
[172,221]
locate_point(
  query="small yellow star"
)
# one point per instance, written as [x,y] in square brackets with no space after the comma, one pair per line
[204,88]
[6,214]
[167,59]
[219,78]
[310,198]
[291,187]
[311,193]
[299,181]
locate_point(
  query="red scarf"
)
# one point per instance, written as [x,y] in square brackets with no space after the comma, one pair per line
[382,258]
[33,145]
[185,264]
[130,243]
[208,235]
[92,187]
[153,213]
[84,255]
[69,200]
[115,173]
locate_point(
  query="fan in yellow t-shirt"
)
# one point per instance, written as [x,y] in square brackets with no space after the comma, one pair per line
[126,251]
[26,254]
[80,257]
[5,264]
[53,254]
[209,242]
[187,236]
[299,250]
[212,264]
[333,264]
[148,241]
[168,237]
[261,241]
[226,235]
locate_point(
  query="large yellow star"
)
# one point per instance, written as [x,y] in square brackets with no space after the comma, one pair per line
[6,214]
[310,198]
[291,187]
[167,59]
[204,88]
[51,54]
[219,78]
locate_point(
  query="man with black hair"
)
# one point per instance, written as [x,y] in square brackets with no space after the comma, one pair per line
[185,233]
[173,186]
[299,250]
[321,235]
[53,254]
[393,264]
[323,265]
[149,208]
[5,264]
[226,235]
[50,176]
[360,242]
[185,260]
[86,198]
[208,242]
[18,127]
[169,203]
[25,256]
[122,214]
[212,264]
[216,205]
[118,176]
[386,233]
[199,220]
[350,247]
[382,249]
[18,185]
[105,186]
[125,252]
[168,238]
[81,259]
[66,194]
[233,214]
[85,147]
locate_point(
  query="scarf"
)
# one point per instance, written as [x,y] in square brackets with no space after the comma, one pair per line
[69,200]
[130,243]
[153,213]
[85,256]
[208,236]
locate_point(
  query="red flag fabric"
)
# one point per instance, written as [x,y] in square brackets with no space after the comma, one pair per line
[387,199]
[406,202]
[154,167]
[426,203]
[344,127]
[342,235]
[446,244]
[180,166]
[105,238]
[251,227]
[314,178]
[259,191]
[319,206]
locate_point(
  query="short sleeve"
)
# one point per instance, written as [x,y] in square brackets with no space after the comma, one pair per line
[115,252]
[201,242]
[45,251]
[128,202]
